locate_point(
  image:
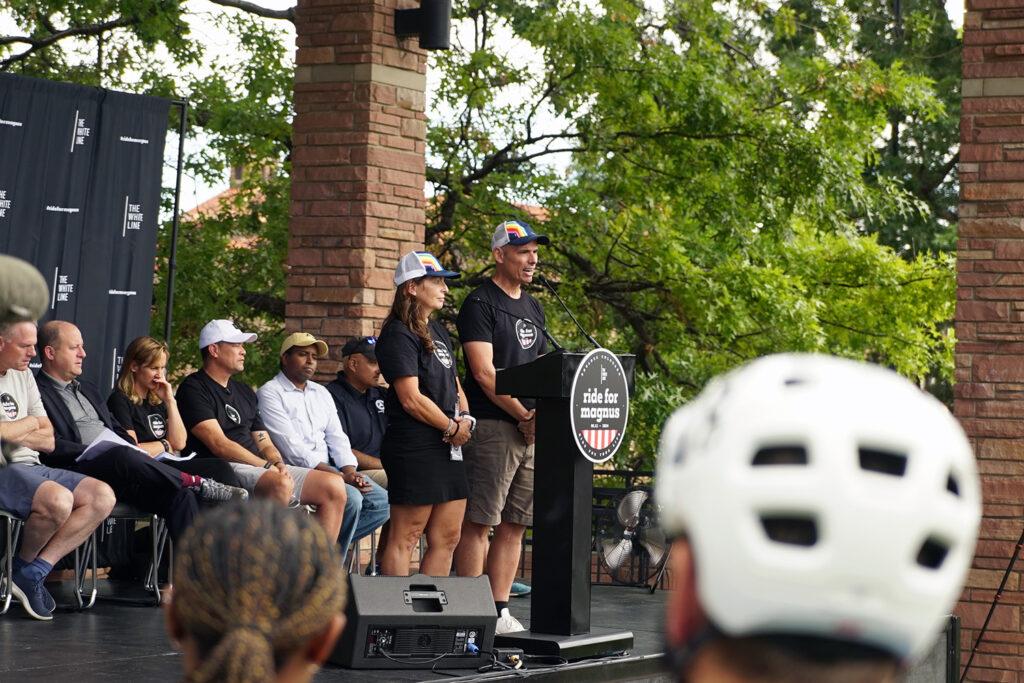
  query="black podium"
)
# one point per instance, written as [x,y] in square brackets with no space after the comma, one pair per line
[562,508]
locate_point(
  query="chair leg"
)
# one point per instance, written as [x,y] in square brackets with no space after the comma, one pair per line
[7,576]
[158,531]
[85,560]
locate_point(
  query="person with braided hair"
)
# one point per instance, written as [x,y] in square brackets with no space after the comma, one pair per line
[259,594]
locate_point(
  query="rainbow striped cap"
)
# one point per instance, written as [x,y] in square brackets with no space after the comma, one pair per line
[420,264]
[515,233]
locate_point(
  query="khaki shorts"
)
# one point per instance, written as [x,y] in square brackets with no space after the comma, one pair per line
[379,477]
[248,475]
[499,467]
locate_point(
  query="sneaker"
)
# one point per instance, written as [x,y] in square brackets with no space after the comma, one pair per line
[519,589]
[507,624]
[212,491]
[48,600]
[31,597]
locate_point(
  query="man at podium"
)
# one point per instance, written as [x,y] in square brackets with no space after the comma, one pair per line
[496,330]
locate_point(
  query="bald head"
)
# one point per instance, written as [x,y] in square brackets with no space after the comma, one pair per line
[62,349]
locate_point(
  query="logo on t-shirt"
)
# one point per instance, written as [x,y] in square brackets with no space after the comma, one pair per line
[380,405]
[9,406]
[443,354]
[232,414]
[526,333]
[157,425]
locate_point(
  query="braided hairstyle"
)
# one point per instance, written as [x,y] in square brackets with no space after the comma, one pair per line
[253,582]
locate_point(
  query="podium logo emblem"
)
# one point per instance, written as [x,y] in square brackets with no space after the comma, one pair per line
[600,405]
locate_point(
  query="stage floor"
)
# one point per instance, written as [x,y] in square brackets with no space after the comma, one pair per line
[125,643]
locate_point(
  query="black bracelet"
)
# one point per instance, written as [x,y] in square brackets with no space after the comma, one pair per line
[267,465]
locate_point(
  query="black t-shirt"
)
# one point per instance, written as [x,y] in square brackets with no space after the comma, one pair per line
[235,408]
[362,416]
[148,421]
[401,354]
[515,341]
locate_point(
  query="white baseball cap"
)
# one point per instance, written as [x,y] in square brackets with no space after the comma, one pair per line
[421,264]
[223,331]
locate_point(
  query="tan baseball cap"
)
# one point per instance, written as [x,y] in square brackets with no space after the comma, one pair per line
[303,339]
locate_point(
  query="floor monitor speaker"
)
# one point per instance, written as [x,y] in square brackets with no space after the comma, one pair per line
[415,622]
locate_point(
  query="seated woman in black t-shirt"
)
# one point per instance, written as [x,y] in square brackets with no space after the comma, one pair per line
[427,424]
[143,404]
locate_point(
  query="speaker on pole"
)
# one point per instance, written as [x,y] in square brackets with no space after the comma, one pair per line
[417,622]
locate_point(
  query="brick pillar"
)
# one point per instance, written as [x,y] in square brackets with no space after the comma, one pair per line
[357,167]
[990,320]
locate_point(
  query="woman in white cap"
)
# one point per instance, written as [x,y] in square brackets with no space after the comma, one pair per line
[427,421]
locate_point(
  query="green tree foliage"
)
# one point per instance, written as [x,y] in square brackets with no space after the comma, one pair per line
[720,180]
[230,260]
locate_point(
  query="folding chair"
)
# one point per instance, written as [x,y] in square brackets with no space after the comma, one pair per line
[355,553]
[85,558]
[160,543]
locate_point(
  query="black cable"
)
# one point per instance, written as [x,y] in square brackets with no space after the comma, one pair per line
[413,662]
[995,601]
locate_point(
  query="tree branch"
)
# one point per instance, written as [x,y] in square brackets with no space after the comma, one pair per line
[253,8]
[37,44]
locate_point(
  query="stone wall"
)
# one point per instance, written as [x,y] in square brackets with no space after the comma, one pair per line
[357,167]
[990,320]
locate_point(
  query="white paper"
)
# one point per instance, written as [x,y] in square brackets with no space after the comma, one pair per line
[165,456]
[103,443]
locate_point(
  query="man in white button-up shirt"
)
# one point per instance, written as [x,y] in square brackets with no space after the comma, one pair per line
[304,426]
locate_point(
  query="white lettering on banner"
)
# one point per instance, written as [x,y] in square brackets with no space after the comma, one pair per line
[115,366]
[5,203]
[133,217]
[79,132]
[137,141]
[122,292]
[62,289]
[61,209]
[12,124]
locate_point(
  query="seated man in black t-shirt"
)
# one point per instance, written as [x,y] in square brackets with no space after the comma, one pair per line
[360,402]
[223,421]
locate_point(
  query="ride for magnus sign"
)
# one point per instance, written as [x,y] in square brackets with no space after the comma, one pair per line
[599,405]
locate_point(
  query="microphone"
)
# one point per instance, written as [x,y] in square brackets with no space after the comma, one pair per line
[543,330]
[544,281]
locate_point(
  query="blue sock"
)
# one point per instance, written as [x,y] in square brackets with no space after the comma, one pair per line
[37,569]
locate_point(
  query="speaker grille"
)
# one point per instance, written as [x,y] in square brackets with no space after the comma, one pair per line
[423,640]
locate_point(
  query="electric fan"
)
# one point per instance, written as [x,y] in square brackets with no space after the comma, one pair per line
[632,548]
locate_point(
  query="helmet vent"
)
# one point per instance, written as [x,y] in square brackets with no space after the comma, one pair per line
[932,553]
[791,529]
[780,455]
[952,485]
[884,462]
[794,381]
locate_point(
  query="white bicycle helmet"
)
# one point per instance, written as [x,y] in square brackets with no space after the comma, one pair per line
[822,497]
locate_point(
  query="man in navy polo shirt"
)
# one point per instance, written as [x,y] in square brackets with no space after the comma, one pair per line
[360,403]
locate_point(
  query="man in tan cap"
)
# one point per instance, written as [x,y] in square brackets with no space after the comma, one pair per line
[303,423]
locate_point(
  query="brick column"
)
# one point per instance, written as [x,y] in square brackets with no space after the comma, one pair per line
[357,167]
[990,320]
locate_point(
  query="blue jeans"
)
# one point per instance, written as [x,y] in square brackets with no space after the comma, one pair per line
[364,513]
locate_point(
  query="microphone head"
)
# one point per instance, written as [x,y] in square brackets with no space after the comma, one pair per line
[23,291]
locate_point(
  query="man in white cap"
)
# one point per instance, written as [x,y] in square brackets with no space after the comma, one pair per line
[304,425]
[824,515]
[223,420]
[497,330]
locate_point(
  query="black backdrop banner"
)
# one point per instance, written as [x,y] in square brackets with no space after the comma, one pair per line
[80,177]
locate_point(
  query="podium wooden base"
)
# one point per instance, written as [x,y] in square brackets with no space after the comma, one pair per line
[598,643]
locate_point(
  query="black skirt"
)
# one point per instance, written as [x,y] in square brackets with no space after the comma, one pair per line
[424,476]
